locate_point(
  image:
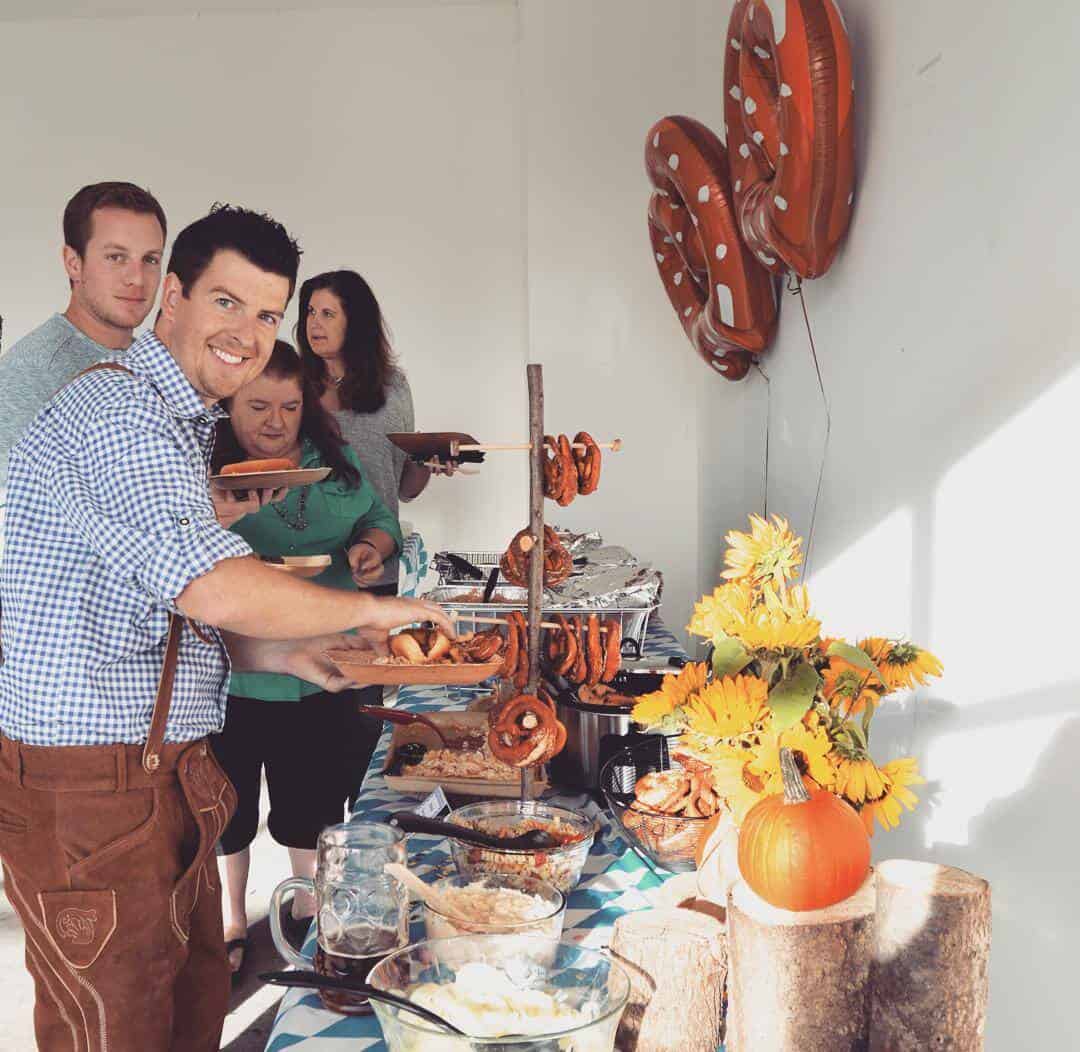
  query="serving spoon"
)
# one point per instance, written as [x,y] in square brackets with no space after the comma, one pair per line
[533,840]
[314,981]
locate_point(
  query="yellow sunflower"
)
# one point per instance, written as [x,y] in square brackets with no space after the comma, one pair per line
[848,688]
[807,740]
[733,780]
[769,618]
[902,664]
[857,779]
[769,552]
[728,707]
[674,692]
[899,774]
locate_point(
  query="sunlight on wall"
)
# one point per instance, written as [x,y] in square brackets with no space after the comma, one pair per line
[867,589]
[1004,560]
[973,767]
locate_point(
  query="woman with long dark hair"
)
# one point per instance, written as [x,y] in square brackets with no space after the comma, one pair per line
[307,743]
[346,351]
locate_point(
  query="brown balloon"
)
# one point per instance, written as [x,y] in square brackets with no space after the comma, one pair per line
[789,116]
[722,295]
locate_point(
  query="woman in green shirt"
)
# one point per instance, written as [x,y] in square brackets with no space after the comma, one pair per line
[302,742]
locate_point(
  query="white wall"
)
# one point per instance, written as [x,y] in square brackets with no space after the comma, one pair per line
[948,334]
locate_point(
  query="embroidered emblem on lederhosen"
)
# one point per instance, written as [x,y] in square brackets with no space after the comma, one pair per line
[76,925]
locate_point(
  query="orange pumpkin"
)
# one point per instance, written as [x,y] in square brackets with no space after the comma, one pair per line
[803,849]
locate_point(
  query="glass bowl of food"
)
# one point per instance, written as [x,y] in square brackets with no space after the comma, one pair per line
[661,801]
[509,995]
[494,904]
[560,865]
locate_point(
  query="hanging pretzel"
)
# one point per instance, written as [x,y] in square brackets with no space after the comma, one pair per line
[524,732]
[587,463]
[612,649]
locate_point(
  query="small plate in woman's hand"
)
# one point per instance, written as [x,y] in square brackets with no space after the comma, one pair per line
[270,479]
[299,565]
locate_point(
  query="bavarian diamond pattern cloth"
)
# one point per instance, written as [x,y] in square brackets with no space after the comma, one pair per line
[615,879]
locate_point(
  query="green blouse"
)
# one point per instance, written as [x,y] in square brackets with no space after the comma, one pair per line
[334,514]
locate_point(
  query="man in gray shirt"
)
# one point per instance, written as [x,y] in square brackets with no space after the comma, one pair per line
[114,237]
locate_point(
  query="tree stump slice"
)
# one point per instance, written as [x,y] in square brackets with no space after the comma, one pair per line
[931,959]
[677,961]
[799,981]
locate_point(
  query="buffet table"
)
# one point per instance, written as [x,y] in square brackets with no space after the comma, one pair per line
[615,879]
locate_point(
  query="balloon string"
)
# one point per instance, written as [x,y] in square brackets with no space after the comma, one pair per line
[768,428]
[795,288]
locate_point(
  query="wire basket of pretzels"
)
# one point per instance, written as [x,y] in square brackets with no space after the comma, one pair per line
[661,801]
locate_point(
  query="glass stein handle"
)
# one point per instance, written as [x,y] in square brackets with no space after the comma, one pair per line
[289,952]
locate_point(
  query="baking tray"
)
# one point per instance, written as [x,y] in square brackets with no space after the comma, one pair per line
[362,668]
[474,722]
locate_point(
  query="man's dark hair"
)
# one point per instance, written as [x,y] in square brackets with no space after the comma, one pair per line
[258,238]
[79,213]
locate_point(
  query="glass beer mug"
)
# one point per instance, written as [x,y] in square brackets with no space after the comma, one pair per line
[361,913]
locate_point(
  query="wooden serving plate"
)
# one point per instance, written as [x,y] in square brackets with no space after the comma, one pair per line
[476,724]
[362,668]
[271,479]
[421,445]
[301,565]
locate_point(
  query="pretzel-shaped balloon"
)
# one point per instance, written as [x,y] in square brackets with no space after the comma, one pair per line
[788,111]
[721,293]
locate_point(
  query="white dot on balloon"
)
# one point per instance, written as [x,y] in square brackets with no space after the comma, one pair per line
[744,150]
[656,139]
[759,137]
[660,257]
[783,149]
[735,44]
[721,251]
[703,194]
[678,237]
[781,203]
[678,278]
[673,161]
[738,185]
[725,304]
[686,313]
[761,52]
[785,90]
[765,258]
[750,105]
[735,92]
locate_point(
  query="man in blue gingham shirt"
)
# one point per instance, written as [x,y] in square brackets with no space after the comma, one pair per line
[108,520]
[107,848]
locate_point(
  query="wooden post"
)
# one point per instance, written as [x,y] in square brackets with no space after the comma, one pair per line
[535,374]
[931,958]
[677,962]
[799,981]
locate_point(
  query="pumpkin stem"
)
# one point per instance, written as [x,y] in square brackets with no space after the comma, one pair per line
[794,787]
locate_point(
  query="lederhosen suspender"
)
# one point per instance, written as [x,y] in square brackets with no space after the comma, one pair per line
[155,737]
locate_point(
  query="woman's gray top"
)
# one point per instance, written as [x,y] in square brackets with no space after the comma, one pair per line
[382,461]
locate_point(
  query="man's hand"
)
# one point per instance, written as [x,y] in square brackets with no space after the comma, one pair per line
[365,562]
[303,658]
[230,508]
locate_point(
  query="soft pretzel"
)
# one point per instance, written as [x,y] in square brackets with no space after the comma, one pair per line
[558,562]
[612,649]
[579,673]
[594,651]
[257,467]
[510,653]
[484,646]
[523,732]
[554,469]
[569,473]
[406,645]
[566,647]
[587,463]
[516,620]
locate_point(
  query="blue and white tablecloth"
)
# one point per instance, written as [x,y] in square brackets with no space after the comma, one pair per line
[614,881]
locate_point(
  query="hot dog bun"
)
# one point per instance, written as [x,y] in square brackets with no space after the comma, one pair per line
[252,467]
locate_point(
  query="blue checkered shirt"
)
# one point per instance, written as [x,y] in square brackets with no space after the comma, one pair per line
[108,520]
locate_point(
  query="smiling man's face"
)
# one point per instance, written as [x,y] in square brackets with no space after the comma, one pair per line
[222,333]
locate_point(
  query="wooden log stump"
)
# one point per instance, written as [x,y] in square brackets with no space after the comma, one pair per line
[677,961]
[799,981]
[931,958]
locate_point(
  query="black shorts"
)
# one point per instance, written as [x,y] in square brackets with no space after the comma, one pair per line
[305,747]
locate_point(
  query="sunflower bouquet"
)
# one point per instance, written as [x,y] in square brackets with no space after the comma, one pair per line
[774,681]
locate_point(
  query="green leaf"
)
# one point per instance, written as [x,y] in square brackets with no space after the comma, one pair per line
[729,656]
[857,735]
[855,656]
[791,697]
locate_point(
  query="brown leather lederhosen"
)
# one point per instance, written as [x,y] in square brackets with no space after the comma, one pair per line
[108,858]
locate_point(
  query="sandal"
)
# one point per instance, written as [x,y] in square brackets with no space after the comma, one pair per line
[242,944]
